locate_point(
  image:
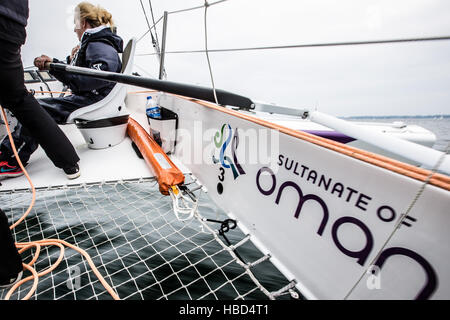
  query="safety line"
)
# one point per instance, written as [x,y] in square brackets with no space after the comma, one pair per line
[148,24]
[153,19]
[197,7]
[312,45]
[207,54]
[151,27]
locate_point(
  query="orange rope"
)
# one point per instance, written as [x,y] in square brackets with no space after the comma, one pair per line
[23,169]
[45,242]
[144,91]
[67,92]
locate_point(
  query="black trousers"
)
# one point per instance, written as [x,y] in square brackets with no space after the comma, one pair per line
[11,262]
[35,120]
[59,109]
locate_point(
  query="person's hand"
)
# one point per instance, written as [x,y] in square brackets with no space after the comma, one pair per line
[74,52]
[41,62]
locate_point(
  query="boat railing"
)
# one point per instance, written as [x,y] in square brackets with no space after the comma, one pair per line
[417,153]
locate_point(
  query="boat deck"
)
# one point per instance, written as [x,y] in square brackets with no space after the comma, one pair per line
[112,164]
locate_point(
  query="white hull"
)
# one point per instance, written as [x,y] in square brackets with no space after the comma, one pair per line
[325,215]
[325,234]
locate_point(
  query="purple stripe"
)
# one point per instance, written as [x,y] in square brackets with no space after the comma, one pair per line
[332,135]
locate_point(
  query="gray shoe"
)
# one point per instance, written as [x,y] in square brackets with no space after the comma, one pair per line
[9,283]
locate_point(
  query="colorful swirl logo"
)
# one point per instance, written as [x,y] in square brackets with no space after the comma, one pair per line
[232,139]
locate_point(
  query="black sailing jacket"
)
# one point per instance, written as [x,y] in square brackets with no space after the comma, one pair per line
[99,49]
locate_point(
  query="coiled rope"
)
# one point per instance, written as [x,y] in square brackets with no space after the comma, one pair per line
[45,242]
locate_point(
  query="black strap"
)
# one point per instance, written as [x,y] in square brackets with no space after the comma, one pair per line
[225,226]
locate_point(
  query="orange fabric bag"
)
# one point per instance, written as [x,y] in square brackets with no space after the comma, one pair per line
[162,167]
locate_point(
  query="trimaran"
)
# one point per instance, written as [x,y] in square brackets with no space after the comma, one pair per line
[338,221]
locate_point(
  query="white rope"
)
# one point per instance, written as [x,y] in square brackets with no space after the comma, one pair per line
[288,289]
[230,250]
[133,236]
[183,207]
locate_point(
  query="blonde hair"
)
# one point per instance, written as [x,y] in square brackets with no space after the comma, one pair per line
[95,15]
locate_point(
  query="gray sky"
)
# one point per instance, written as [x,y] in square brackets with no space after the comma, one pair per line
[391,79]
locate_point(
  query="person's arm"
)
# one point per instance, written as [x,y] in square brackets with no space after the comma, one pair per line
[42,62]
[73,54]
[99,56]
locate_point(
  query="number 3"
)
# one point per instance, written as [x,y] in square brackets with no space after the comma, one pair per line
[222,173]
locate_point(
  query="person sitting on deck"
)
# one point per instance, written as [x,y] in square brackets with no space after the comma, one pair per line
[99,49]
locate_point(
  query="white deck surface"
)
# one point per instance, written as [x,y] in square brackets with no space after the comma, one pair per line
[112,164]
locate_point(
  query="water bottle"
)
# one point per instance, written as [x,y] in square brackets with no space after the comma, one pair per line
[152,109]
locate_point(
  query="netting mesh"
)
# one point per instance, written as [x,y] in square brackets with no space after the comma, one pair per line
[138,245]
